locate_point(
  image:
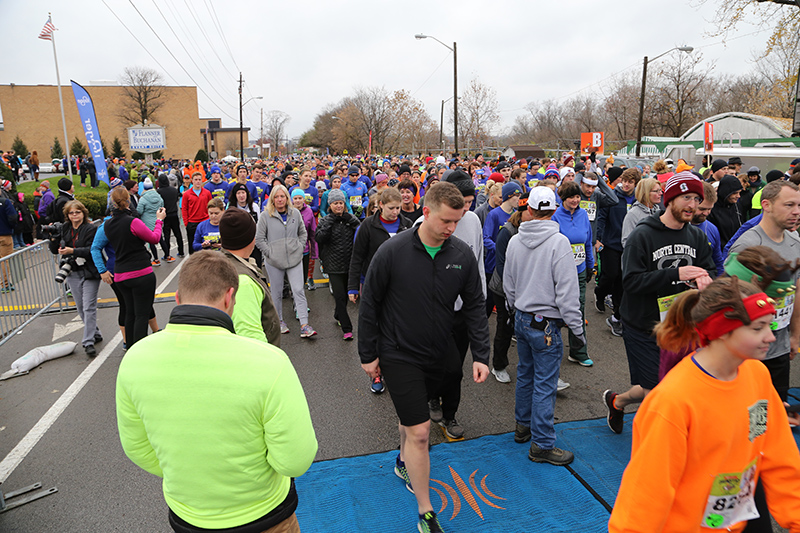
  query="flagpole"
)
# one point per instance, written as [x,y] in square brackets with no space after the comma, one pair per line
[61,101]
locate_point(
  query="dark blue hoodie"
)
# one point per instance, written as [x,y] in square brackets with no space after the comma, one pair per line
[609,220]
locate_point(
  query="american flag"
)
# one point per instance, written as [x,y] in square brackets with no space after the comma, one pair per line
[47,31]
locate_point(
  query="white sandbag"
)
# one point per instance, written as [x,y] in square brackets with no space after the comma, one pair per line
[39,355]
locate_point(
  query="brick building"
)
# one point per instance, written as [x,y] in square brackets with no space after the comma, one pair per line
[32,112]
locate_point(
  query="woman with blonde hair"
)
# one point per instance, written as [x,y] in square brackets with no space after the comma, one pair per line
[648,202]
[74,245]
[281,236]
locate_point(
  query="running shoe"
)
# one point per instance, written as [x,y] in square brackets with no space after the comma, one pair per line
[284,327]
[347,336]
[562,385]
[169,259]
[585,362]
[429,523]
[90,350]
[401,472]
[156,262]
[615,325]
[310,285]
[452,428]
[554,456]
[98,338]
[435,410]
[377,386]
[609,302]
[599,305]
[501,375]
[616,417]
[307,331]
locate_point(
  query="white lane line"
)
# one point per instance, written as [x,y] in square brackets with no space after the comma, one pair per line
[21,450]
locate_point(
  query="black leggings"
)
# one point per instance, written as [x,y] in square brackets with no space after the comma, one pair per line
[610,281]
[502,333]
[339,286]
[171,224]
[138,294]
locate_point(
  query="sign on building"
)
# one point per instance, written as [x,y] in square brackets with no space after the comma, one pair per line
[147,139]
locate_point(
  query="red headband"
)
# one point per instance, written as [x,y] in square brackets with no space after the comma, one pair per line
[718,324]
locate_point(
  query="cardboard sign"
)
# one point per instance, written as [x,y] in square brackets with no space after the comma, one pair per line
[592,142]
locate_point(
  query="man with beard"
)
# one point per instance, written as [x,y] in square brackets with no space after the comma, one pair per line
[664,256]
[780,202]
[711,231]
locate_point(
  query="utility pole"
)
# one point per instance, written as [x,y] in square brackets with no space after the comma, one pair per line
[455,97]
[241,121]
[261,135]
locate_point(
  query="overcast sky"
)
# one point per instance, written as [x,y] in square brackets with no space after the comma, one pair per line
[301,56]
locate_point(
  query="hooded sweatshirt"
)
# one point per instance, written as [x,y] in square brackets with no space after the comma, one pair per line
[725,215]
[653,253]
[578,230]
[610,219]
[539,275]
[637,213]
[603,196]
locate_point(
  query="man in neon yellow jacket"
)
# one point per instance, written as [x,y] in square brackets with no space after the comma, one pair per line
[221,418]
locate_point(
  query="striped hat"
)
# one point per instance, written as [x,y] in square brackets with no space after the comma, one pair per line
[682,183]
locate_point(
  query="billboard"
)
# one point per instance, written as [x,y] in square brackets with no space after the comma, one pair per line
[147,139]
[708,137]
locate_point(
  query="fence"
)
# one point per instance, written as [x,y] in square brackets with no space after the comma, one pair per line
[28,287]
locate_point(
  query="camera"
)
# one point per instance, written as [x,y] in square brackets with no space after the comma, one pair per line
[65,267]
[52,231]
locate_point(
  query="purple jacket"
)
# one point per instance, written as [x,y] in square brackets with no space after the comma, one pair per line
[47,198]
[310,222]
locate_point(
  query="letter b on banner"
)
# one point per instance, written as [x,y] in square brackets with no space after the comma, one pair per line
[592,142]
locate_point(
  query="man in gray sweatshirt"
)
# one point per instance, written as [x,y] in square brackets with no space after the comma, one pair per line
[541,284]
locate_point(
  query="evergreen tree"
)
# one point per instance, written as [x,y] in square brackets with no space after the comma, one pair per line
[117,149]
[19,147]
[201,156]
[56,151]
[77,147]
[103,146]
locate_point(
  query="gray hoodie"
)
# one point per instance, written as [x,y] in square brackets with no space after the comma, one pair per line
[540,276]
[281,243]
[636,214]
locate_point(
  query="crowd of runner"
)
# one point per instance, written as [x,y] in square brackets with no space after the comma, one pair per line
[695,267]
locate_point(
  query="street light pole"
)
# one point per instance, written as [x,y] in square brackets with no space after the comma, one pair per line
[688,50]
[455,83]
[241,121]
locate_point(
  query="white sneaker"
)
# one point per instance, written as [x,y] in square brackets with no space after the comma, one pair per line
[501,375]
[562,385]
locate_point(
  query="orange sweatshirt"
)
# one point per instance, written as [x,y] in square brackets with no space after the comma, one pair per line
[699,445]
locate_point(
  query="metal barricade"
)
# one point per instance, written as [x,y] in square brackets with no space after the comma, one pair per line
[28,287]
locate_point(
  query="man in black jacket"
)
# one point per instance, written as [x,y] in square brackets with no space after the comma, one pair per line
[406,316]
[172,223]
[664,256]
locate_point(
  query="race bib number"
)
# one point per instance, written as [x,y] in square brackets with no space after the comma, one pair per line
[579,253]
[590,208]
[628,207]
[731,499]
[355,201]
[532,182]
[664,304]
[783,312]
[212,238]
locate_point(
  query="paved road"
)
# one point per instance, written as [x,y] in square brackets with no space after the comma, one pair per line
[99,489]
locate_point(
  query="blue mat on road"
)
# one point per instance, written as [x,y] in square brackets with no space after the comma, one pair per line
[484,484]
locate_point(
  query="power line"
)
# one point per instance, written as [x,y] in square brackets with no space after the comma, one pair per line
[432,73]
[213,13]
[170,51]
[177,83]
[205,35]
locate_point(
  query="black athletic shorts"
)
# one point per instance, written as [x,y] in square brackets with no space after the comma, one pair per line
[643,356]
[408,386]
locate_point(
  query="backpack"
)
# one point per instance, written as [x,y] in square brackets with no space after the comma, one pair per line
[12,219]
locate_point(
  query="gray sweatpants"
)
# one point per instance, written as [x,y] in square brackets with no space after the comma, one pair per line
[84,292]
[297,279]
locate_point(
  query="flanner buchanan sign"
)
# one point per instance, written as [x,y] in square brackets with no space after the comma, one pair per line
[147,139]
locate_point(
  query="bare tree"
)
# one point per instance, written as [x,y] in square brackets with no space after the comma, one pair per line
[477,113]
[673,103]
[143,95]
[413,127]
[782,15]
[275,127]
